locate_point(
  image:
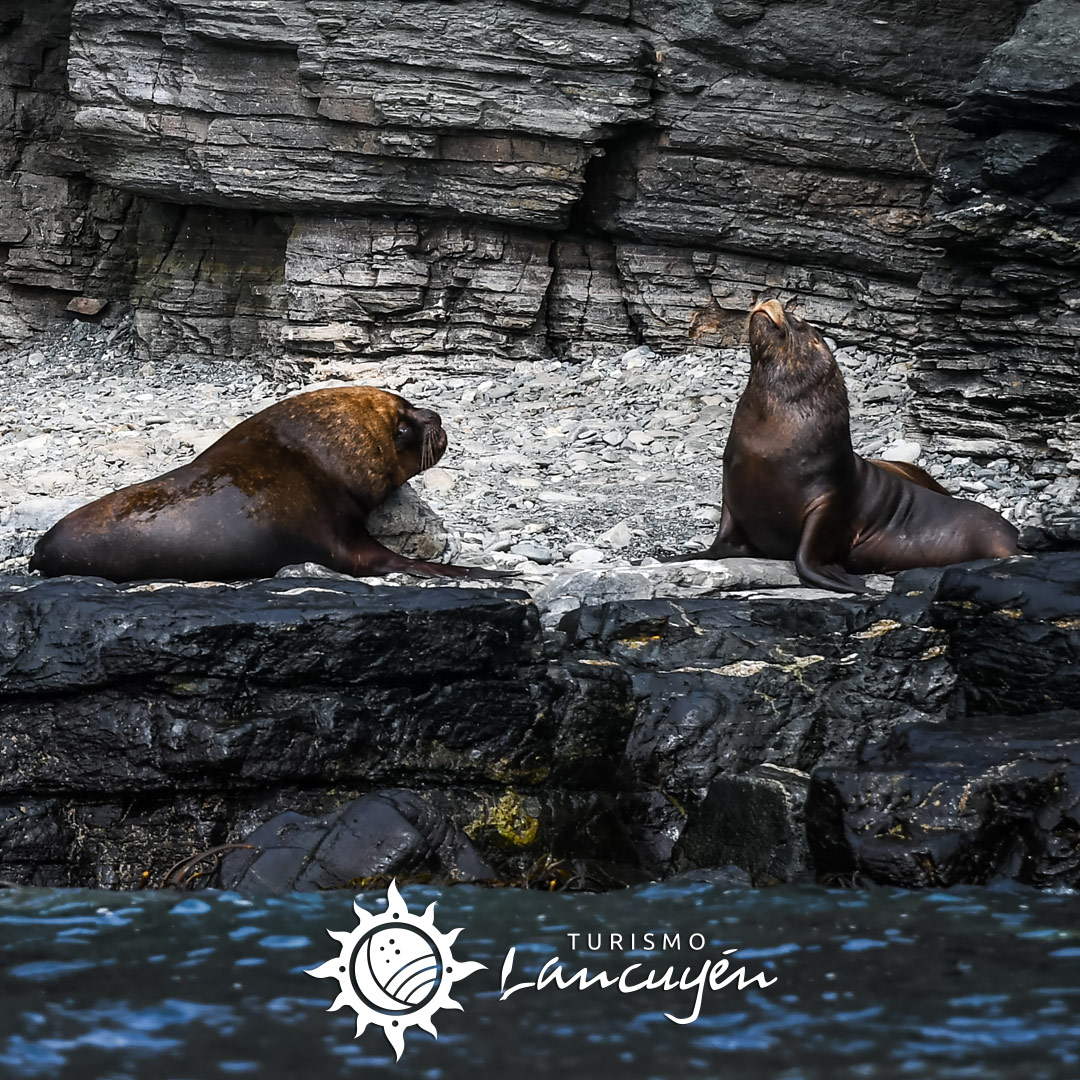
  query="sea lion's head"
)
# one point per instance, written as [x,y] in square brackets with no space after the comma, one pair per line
[370,440]
[419,439]
[404,439]
[779,338]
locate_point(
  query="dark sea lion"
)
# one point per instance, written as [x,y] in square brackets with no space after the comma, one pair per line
[292,484]
[795,489]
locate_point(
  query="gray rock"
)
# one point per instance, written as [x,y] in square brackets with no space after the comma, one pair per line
[617,537]
[346,729]
[902,451]
[586,556]
[407,525]
[688,579]
[41,512]
[536,553]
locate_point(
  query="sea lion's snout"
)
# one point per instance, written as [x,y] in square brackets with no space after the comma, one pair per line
[433,439]
[773,310]
[769,332]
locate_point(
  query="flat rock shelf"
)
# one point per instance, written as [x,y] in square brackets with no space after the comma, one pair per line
[316,733]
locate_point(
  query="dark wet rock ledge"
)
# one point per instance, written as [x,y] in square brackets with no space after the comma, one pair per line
[319,733]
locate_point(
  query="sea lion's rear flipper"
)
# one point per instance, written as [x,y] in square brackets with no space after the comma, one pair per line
[816,558]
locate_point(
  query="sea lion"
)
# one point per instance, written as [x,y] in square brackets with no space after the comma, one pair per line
[795,489]
[291,484]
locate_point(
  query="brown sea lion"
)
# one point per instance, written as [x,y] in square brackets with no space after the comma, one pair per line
[292,484]
[795,489]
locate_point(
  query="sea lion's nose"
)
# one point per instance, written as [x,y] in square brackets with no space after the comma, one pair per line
[773,309]
[429,416]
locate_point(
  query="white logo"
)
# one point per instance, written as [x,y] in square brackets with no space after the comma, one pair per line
[395,969]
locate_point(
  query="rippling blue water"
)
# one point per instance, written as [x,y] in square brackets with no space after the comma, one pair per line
[881,983]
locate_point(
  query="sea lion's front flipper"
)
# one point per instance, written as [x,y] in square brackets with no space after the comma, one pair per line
[816,559]
[455,570]
[368,557]
[730,543]
[715,551]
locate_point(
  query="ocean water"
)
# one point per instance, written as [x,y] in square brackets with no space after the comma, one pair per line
[978,982]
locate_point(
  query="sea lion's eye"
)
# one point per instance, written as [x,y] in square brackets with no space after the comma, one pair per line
[403,430]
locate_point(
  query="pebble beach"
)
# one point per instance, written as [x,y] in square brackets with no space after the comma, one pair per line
[551,465]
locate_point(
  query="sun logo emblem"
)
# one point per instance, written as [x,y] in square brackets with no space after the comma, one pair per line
[395,969]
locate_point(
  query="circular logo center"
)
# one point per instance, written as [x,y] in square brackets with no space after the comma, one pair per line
[396,969]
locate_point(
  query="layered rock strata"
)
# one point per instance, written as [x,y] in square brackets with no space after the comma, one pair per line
[514,178]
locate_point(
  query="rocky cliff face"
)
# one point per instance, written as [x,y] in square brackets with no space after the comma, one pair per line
[61,234]
[475,177]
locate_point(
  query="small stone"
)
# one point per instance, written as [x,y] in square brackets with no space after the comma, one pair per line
[39,514]
[586,557]
[197,440]
[87,305]
[125,450]
[536,553]
[885,392]
[902,451]
[637,357]
[617,537]
[50,482]
[436,479]
[31,445]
